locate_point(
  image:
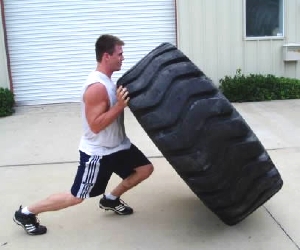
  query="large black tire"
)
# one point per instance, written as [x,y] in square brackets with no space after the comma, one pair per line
[201,134]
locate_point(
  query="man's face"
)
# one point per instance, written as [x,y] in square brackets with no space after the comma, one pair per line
[115,60]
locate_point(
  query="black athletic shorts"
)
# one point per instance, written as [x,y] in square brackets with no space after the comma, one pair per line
[95,171]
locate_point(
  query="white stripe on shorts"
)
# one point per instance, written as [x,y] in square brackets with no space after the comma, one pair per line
[89,177]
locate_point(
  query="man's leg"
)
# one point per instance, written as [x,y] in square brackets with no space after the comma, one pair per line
[28,219]
[54,202]
[133,167]
[140,174]
[88,182]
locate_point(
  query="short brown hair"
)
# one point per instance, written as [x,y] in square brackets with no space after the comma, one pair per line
[106,44]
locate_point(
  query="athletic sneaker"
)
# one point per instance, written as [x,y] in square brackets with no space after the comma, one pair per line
[118,206]
[29,222]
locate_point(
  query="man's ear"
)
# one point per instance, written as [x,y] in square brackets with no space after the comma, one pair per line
[105,56]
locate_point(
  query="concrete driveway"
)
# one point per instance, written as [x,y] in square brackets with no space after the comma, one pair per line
[38,152]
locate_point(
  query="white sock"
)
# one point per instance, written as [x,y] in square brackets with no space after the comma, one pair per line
[25,211]
[111,197]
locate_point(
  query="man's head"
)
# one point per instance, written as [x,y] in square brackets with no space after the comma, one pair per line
[109,51]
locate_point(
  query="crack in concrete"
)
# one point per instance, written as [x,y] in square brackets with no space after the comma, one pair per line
[284,148]
[281,227]
[150,157]
[59,162]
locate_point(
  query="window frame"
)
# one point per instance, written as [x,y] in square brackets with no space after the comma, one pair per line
[255,38]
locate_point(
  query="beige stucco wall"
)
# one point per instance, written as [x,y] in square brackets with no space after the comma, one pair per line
[211,34]
[4,78]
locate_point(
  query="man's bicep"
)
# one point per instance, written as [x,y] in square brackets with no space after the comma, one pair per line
[96,102]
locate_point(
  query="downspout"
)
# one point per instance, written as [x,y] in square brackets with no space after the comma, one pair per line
[6,45]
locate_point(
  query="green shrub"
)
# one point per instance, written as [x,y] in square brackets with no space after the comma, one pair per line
[7,102]
[257,87]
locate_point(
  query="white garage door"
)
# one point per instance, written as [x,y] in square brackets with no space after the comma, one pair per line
[51,43]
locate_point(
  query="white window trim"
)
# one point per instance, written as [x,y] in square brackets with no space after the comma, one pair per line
[263,37]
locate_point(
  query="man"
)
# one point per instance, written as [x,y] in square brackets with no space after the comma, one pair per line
[104,147]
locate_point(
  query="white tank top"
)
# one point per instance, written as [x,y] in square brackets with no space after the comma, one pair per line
[111,139]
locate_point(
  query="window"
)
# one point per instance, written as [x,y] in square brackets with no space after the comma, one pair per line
[264,18]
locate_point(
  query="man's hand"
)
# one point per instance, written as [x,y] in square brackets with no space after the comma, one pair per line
[122,96]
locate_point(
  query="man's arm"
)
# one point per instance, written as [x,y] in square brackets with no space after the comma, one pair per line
[97,111]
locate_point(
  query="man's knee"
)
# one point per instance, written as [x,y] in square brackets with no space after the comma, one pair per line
[75,200]
[141,173]
[150,170]
[145,171]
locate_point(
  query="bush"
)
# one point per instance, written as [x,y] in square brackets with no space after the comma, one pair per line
[7,102]
[257,87]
